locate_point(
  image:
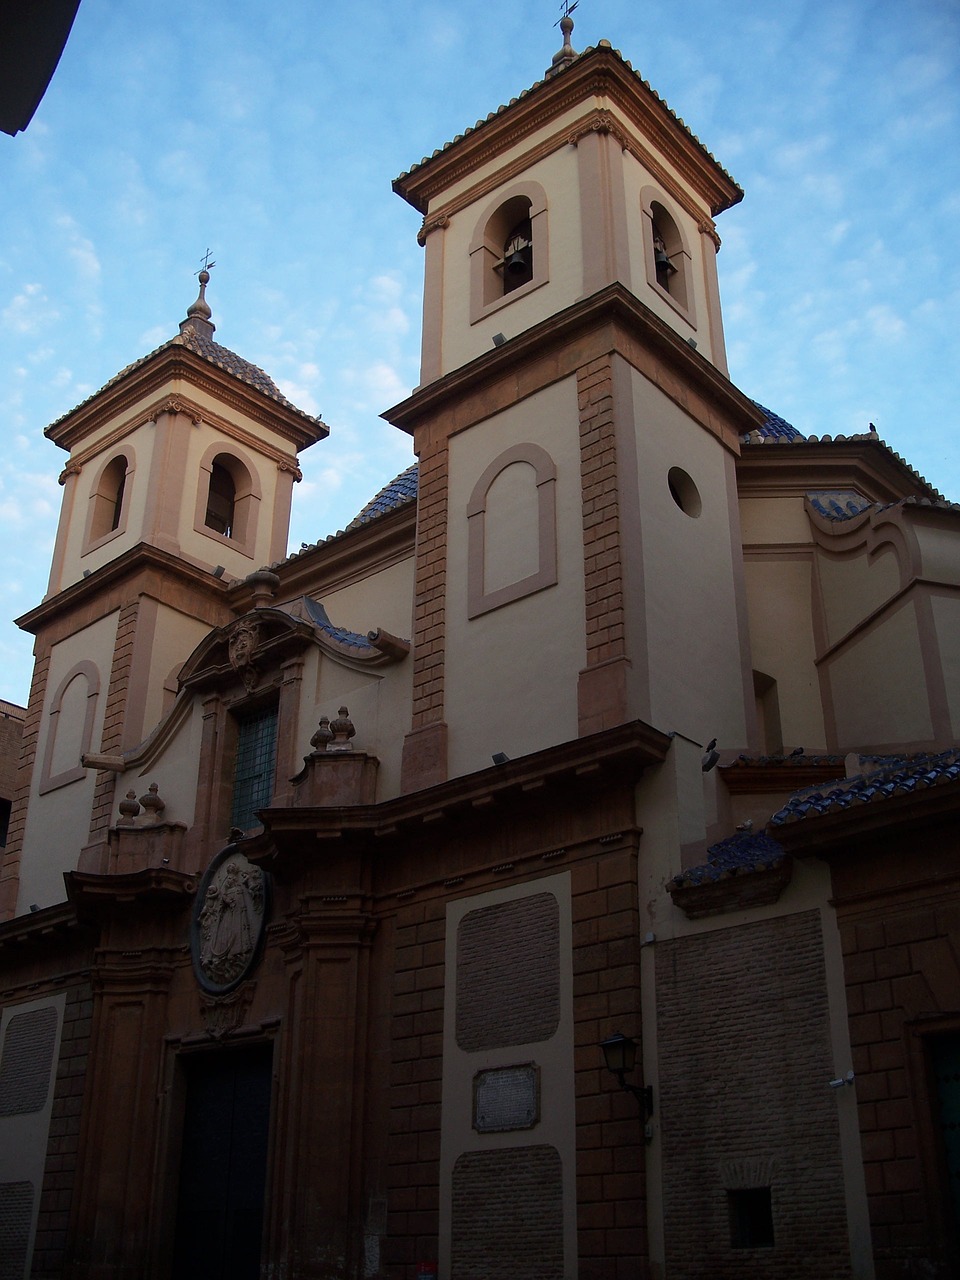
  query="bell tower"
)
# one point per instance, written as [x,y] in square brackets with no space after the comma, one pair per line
[576,427]
[179,481]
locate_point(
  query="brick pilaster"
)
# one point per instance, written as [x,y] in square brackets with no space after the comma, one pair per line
[602,691]
[113,721]
[425,748]
[10,868]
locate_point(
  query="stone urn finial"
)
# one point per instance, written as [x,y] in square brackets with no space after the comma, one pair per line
[323,736]
[129,808]
[343,730]
[152,804]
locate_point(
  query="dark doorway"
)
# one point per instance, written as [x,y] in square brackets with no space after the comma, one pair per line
[223,1165]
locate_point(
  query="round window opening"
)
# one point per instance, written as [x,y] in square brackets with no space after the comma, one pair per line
[684,492]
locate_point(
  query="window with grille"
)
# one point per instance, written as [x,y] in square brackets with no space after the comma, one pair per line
[255,763]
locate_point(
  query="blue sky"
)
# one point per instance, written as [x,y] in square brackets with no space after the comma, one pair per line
[271,133]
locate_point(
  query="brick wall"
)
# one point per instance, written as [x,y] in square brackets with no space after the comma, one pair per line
[508,1215]
[744,1061]
[416,1080]
[611,1213]
[902,969]
[603,570]
[112,740]
[10,870]
[11,735]
[508,973]
[59,1181]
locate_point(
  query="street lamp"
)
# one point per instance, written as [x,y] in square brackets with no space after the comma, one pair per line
[620,1058]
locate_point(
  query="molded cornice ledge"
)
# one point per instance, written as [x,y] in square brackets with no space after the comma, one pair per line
[625,751]
[612,320]
[153,886]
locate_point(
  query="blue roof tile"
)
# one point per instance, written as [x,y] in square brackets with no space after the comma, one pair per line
[891,776]
[745,851]
[775,427]
[397,493]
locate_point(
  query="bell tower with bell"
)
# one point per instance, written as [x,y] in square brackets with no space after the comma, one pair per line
[179,481]
[575,424]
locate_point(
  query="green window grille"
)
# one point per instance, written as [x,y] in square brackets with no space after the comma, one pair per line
[256,760]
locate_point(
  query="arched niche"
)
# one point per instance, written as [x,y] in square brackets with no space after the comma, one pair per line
[534,528]
[69,727]
[510,233]
[228,497]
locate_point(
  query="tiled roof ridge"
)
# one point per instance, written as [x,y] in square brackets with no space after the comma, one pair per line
[743,852]
[762,437]
[893,775]
[212,352]
[400,491]
[797,758]
[525,93]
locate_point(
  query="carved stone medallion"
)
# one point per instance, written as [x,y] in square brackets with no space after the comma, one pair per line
[229,917]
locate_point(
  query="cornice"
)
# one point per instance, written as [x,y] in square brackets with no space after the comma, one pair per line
[795,467]
[628,749]
[140,559]
[597,73]
[155,372]
[179,404]
[598,120]
[553,349]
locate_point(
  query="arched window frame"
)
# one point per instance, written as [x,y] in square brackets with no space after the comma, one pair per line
[247,497]
[510,207]
[52,781]
[109,501]
[657,212]
[480,601]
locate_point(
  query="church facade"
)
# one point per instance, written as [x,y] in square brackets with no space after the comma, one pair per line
[627,719]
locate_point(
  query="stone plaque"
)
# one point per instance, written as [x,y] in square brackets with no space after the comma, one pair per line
[506,1098]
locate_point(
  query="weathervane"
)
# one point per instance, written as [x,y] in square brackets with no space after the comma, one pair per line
[207,264]
[566,8]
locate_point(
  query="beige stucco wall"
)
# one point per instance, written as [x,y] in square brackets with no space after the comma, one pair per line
[554,1058]
[774,521]
[511,674]
[175,637]
[174,767]
[462,341]
[74,517]
[58,822]
[205,545]
[878,688]
[946,617]
[694,323]
[779,595]
[689,576]
[852,587]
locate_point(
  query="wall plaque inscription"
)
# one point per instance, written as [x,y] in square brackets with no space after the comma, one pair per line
[506,1098]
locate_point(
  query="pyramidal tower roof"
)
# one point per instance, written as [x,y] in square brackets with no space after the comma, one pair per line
[196,337]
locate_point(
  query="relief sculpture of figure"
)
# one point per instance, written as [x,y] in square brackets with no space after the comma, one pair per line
[230,919]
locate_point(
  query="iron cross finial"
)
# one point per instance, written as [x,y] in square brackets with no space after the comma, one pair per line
[566,8]
[207,264]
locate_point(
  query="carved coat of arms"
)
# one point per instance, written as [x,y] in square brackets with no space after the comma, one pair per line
[242,645]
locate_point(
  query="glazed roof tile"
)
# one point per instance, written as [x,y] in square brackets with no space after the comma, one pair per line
[398,493]
[775,427]
[891,776]
[525,93]
[836,505]
[737,854]
[318,616]
[213,353]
